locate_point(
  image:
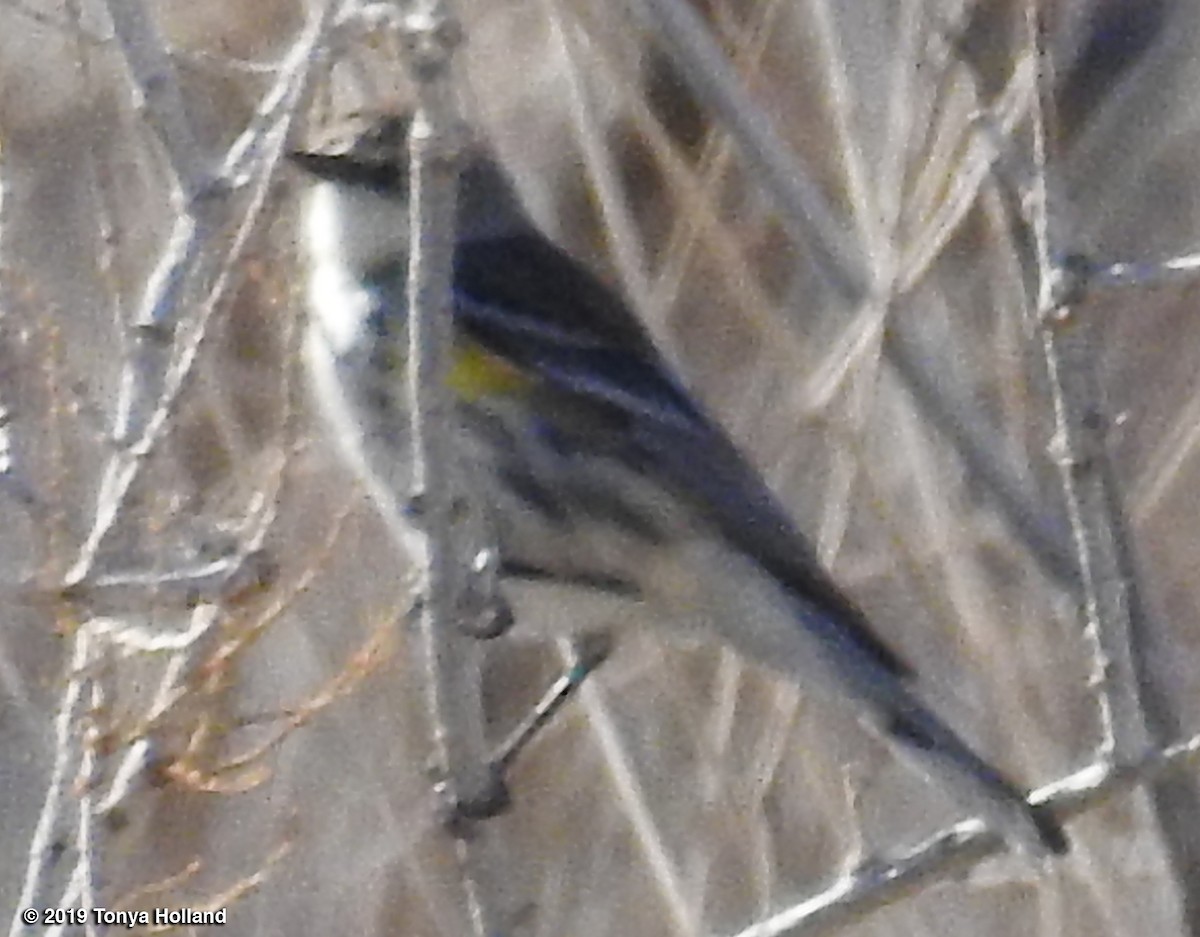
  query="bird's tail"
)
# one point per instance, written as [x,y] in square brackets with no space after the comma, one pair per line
[938,752]
[814,647]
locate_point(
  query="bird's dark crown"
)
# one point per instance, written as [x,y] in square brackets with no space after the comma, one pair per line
[367,150]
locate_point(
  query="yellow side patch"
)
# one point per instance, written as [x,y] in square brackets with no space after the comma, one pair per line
[477,373]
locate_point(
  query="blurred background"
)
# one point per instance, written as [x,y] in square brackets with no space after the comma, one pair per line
[227,711]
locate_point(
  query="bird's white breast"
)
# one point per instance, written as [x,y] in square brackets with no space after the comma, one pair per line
[347,232]
[354,227]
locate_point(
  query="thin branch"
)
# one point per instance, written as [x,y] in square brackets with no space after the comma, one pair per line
[1182,270]
[153,73]
[435,134]
[950,407]
[73,27]
[469,782]
[77,744]
[1135,714]
[620,226]
[986,148]
[632,799]
[1106,569]
[44,842]
[85,845]
[886,880]
[245,570]
[580,658]
[156,371]
[961,422]
[154,78]
[151,384]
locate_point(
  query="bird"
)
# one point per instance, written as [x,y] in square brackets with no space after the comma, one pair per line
[605,481]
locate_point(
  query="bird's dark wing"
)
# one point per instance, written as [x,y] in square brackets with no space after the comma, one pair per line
[530,303]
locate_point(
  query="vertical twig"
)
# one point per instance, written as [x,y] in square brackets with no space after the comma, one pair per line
[434,139]
[468,781]
[1135,717]
[1107,576]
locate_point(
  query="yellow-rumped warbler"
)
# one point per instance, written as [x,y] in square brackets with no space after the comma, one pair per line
[601,473]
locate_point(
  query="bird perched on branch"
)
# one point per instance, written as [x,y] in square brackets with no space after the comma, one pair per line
[602,476]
